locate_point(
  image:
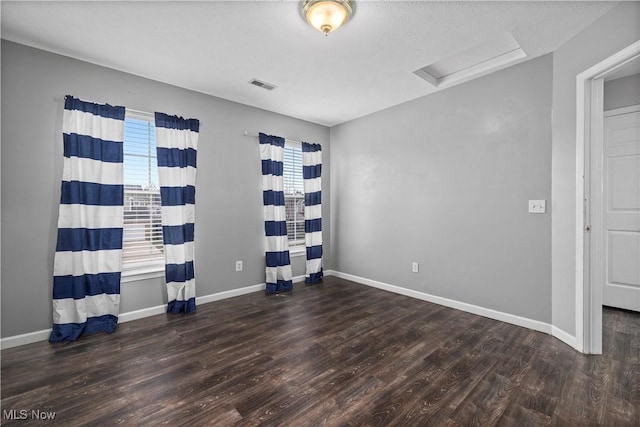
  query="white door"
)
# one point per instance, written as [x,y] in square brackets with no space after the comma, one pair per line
[621,211]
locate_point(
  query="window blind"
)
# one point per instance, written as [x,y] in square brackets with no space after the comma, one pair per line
[294,194]
[142,242]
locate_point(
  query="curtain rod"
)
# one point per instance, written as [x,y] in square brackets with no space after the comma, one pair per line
[146,113]
[255,135]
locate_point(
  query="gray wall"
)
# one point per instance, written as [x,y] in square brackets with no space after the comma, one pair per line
[229,196]
[622,92]
[442,180]
[616,30]
[445,181]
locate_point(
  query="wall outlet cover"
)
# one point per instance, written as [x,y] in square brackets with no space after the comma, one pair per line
[537,206]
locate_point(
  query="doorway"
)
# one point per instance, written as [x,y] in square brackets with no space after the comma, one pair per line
[618,208]
[590,233]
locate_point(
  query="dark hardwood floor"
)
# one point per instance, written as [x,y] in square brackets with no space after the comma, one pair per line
[334,354]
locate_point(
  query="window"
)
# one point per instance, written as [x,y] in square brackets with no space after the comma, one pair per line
[142,240]
[294,194]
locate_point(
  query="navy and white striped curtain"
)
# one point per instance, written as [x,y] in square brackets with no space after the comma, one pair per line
[88,258]
[312,172]
[177,146]
[278,262]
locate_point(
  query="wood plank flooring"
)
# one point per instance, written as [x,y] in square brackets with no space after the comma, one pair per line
[334,354]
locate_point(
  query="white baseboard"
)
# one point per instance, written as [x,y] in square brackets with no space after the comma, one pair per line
[43,335]
[23,339]
[235,292]
[160,309]
[566,338]
[536,325]
[228,294]
[513,319]
[142,313]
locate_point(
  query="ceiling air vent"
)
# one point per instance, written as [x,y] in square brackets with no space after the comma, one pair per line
[263,85]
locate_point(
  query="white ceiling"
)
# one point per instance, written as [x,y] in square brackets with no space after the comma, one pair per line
[216,47]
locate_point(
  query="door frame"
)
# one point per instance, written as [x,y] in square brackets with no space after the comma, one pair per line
[589,125]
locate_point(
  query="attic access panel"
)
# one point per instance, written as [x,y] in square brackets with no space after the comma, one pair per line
[480,59]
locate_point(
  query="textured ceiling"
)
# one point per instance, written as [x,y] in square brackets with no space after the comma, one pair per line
[217,47]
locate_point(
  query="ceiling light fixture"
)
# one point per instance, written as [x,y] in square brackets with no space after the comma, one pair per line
[326,15]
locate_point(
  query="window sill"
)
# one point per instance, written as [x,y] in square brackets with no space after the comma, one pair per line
[142,273]
[297,251]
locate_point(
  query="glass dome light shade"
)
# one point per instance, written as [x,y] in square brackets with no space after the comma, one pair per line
[326,15]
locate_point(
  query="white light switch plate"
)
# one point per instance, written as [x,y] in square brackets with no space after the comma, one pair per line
[537,206]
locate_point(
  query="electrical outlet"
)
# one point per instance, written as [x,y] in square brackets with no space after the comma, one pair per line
[415,267]
[238,265]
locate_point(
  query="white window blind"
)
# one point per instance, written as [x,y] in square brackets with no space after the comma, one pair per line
[294,194]
[142,245]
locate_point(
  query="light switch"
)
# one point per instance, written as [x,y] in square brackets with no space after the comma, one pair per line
[537,206]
